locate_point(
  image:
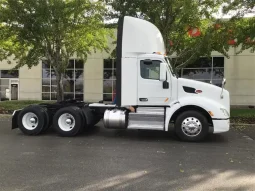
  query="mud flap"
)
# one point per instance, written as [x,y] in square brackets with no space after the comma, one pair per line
[15,119]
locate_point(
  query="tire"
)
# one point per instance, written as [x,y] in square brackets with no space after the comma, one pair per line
[36,113]
[197,132]
[71,128]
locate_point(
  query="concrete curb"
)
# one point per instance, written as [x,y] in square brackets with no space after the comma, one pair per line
[5,117]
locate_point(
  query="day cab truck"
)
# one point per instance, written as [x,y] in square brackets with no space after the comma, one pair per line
[149,95]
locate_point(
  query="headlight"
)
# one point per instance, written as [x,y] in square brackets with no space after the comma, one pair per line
[225,112]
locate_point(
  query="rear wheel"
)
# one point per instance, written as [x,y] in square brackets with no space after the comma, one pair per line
[32,120]
[68,121]
[191,126]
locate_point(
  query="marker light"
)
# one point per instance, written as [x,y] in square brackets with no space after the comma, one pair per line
[211,113]
[159,53]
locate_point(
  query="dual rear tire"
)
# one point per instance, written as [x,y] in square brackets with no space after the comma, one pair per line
[67,121]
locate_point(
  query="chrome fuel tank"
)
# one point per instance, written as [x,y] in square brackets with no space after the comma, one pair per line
[115,119]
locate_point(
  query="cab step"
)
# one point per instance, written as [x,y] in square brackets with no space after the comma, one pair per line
[147,118]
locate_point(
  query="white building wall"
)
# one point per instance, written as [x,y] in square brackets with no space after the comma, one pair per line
[240,75]
[30,81]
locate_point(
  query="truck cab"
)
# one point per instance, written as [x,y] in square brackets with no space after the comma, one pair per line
[147,82]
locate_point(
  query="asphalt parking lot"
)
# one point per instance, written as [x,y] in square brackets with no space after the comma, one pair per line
[125,160]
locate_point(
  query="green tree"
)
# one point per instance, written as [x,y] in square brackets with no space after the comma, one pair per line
[55,30]
[175,19]
[243,27]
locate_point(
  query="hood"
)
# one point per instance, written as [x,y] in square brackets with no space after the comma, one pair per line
[210,91]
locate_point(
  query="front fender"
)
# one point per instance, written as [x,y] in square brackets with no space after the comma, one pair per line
[206,104]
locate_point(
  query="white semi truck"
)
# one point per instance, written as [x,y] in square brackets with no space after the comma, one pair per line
[149,95]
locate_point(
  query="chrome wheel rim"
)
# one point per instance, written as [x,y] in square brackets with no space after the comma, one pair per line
[30,121]
[66,122]
[191,127]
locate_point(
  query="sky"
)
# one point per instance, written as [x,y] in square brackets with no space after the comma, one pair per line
[218,15]
[227,16]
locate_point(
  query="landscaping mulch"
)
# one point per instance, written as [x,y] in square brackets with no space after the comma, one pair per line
[7,112]
[243,120]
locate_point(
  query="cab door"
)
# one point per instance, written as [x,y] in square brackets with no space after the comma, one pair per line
[152,91]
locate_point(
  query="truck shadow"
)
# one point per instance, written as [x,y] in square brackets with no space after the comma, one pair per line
[138,135]
[145,135]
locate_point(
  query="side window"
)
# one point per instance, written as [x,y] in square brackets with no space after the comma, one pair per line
[150,69]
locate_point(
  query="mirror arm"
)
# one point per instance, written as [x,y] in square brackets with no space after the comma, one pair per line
[223,85]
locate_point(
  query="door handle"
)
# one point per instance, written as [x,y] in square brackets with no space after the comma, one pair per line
[143,99]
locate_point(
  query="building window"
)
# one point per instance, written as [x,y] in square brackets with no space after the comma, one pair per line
[73,81]
[5,76]
[9,73]
[150,70]
[109,79]
[209,70]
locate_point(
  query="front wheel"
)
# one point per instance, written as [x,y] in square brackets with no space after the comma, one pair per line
[191,126]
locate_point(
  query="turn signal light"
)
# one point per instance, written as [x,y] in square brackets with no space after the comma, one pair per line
[211,113]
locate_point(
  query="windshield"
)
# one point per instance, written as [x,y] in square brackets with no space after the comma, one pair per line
[169,65]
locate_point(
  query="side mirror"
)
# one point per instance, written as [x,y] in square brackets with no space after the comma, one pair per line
[165,85]
[163,75]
